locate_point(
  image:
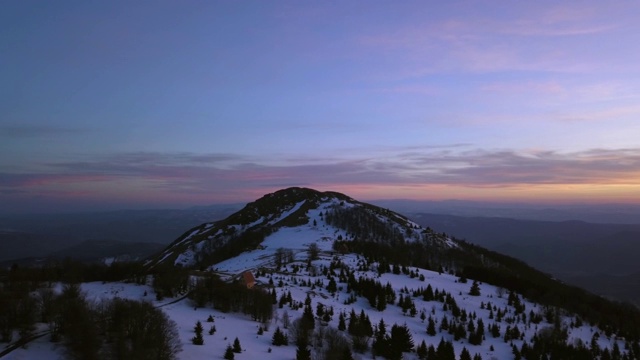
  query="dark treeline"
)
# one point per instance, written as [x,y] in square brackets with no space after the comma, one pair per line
[483,265]
[378,295]
[114,329]
[216,250]
[364,225]
[233,297]
[512,274]
[470,261]
[73,271]
[25,293]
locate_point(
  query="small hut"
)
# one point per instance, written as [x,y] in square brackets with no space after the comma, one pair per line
[248,279]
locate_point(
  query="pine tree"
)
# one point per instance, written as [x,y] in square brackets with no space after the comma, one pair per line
[307,320]
[445,350]
[279,338]
[431,352]
[346,354]
[380,343]
[198,339]
[400,340]
[332,287]
[428,294]
[342,326]
[431,327]
[303,352]
[475,289]
[236,346]
[228,353]
[422,351]
[465,355]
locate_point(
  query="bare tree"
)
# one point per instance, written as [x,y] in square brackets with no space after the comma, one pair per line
[278,257]
[313,251]
[286,321]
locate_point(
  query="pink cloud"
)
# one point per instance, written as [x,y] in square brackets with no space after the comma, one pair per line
[415,172]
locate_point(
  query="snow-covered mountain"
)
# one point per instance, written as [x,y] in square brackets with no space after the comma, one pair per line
[292,218]
[302,274]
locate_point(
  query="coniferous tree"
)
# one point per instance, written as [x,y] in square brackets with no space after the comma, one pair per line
[478,335]
[236,346]
[279,338]
[332,286]
[465,355]
[428,294]
[346,354]
[475,289]
[431,327]
[228,353]
[342,326]
[380,343]
[303,352]
[422,351]
[307,318]
[432,353]
[400,340]
[445,350]
[198,339]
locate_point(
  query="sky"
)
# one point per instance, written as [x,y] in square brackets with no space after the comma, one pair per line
[169,104]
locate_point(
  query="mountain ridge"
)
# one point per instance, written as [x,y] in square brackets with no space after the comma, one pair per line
[287,208]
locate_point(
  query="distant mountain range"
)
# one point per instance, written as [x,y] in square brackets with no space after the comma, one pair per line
[593,213]
[60,235]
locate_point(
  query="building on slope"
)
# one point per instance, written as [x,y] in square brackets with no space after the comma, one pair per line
[247,279]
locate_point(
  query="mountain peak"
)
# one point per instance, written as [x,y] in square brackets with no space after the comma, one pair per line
[314,216]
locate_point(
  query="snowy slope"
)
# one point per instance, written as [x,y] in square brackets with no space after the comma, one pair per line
[275,215]
[230,325]
[293,219]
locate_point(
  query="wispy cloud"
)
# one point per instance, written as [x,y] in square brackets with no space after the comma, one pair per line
[536,39]
[607,114]
[215,173]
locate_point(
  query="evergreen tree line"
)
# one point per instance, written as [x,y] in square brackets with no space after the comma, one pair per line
[363,224]
[377,294]
[72,271]
[470,261]
[392,345]
[217,249]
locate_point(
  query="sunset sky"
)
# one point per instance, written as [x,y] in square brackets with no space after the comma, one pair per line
[147,104]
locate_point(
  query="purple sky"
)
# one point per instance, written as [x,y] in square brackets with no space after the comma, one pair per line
[143,104]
